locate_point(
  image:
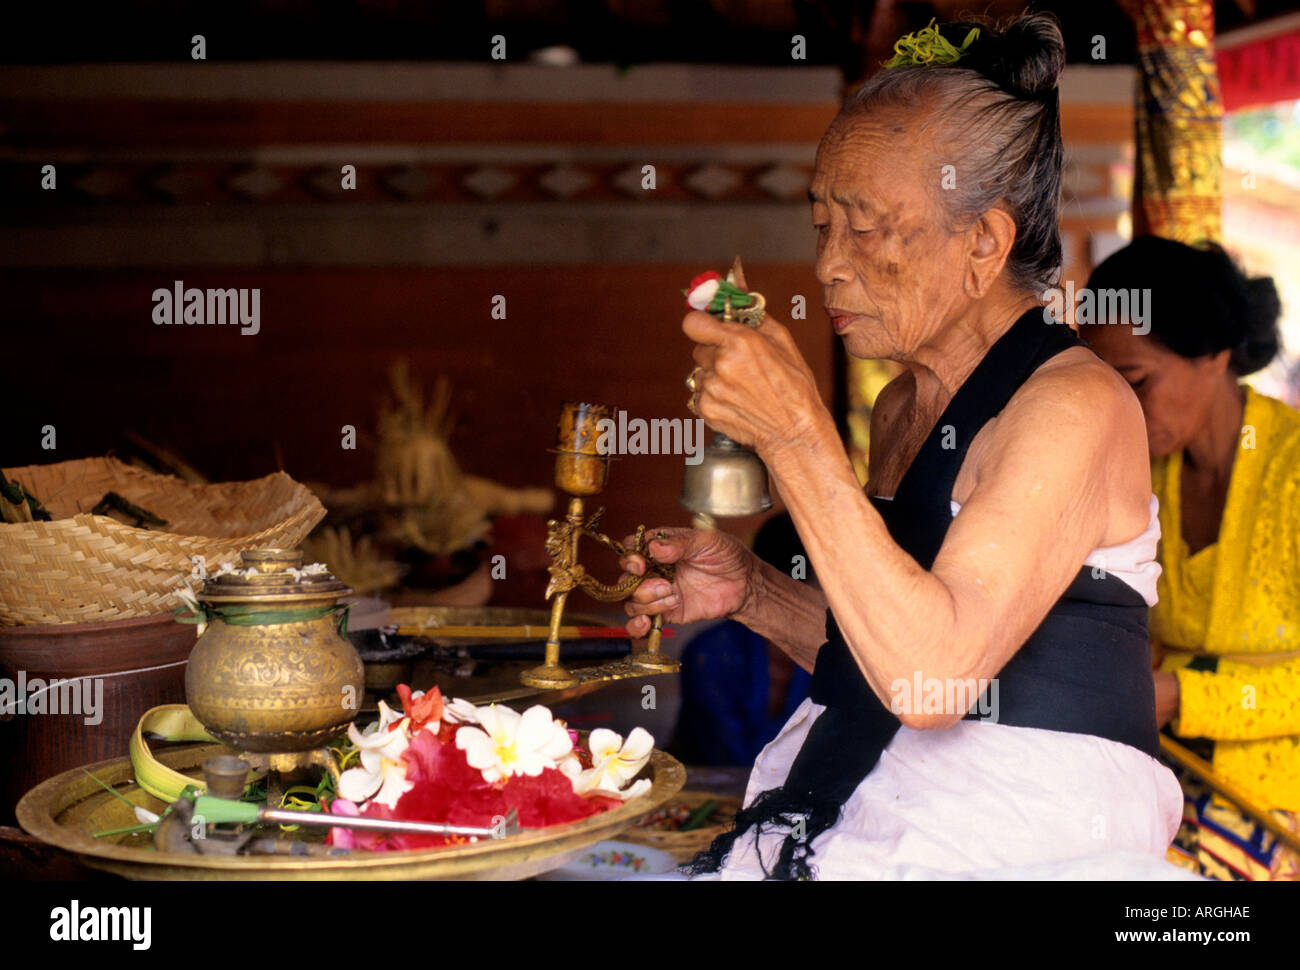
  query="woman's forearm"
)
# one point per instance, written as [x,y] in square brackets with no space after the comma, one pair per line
[1049,486]
[850,548]
[787,612]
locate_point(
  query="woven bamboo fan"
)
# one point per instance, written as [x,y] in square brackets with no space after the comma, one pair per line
[82,568]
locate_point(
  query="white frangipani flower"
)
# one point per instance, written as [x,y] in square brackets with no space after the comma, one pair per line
[615,762]
[385,786]
[505,743]
[459,711]
[571,767]
[382,775]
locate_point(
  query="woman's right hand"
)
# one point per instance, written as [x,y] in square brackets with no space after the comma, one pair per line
[714,577]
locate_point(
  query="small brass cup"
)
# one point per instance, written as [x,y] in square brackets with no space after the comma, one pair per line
[226,776]
[581,465]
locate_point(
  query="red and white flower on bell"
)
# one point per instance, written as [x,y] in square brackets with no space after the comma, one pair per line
[702,290]
[506,743]
[382,774]
[615,762]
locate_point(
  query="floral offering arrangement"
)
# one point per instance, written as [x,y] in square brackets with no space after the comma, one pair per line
[709,291]
[927,46]
[453,763]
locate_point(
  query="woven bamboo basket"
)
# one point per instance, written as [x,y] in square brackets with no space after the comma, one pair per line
[683,846]
[83,568]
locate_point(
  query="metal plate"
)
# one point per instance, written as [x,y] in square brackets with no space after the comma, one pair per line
[66,810]
[435,616]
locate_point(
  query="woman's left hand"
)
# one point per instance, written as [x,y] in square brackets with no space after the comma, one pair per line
[751,384]
[1167,697]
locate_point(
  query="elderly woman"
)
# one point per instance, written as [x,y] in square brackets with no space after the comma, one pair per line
[1226,469]
[1007,463]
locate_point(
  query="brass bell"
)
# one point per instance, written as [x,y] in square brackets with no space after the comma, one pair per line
[730,481]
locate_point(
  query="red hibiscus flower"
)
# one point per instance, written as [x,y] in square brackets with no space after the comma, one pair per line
[423,709]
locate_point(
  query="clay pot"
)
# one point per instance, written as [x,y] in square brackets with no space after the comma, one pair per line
[146,658]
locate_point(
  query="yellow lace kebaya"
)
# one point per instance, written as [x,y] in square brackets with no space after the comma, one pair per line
[1239,601]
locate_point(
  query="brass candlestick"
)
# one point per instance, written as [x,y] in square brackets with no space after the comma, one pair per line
[581,470]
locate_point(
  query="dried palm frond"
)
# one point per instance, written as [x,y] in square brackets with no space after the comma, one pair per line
[497,499]
[355,561]
[415,462]
[421,499]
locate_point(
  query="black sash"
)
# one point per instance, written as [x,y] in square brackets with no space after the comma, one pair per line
[1085,669]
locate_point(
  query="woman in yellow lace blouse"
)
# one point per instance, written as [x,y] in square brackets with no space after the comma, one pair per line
[1226,471]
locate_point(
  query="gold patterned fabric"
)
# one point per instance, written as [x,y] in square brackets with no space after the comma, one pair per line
[1216,840]
[1239,601]
[865,378]
[1178,192]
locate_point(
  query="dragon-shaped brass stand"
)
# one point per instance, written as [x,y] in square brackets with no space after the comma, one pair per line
[582,469]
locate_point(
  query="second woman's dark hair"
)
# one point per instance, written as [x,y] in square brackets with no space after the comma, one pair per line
[1201,302]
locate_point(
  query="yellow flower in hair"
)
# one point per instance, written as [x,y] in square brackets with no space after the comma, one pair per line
[927,47]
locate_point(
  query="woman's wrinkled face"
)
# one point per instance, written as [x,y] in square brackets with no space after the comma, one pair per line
[1176,392]
[890,269]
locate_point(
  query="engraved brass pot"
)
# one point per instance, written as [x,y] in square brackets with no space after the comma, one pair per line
[283,686]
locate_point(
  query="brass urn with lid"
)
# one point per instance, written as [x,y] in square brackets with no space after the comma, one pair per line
[272,671]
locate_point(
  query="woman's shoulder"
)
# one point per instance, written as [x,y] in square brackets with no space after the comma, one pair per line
[1075,412]
[1279,419]
[1270,435]
[1077,390]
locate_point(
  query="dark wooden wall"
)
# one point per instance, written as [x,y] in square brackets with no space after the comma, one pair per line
[97,365]
[216,176]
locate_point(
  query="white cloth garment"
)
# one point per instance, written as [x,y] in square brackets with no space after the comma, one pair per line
[977,799]
[985,800]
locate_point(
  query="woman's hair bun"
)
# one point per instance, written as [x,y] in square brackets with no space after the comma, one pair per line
[1260,309]
[1200,300]
[1024,56]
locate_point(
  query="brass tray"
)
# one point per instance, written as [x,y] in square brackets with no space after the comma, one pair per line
[500,684]
[435,616]
[67,809]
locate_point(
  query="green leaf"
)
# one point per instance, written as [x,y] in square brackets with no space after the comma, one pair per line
[129,830]
[112,791]
[219,811]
